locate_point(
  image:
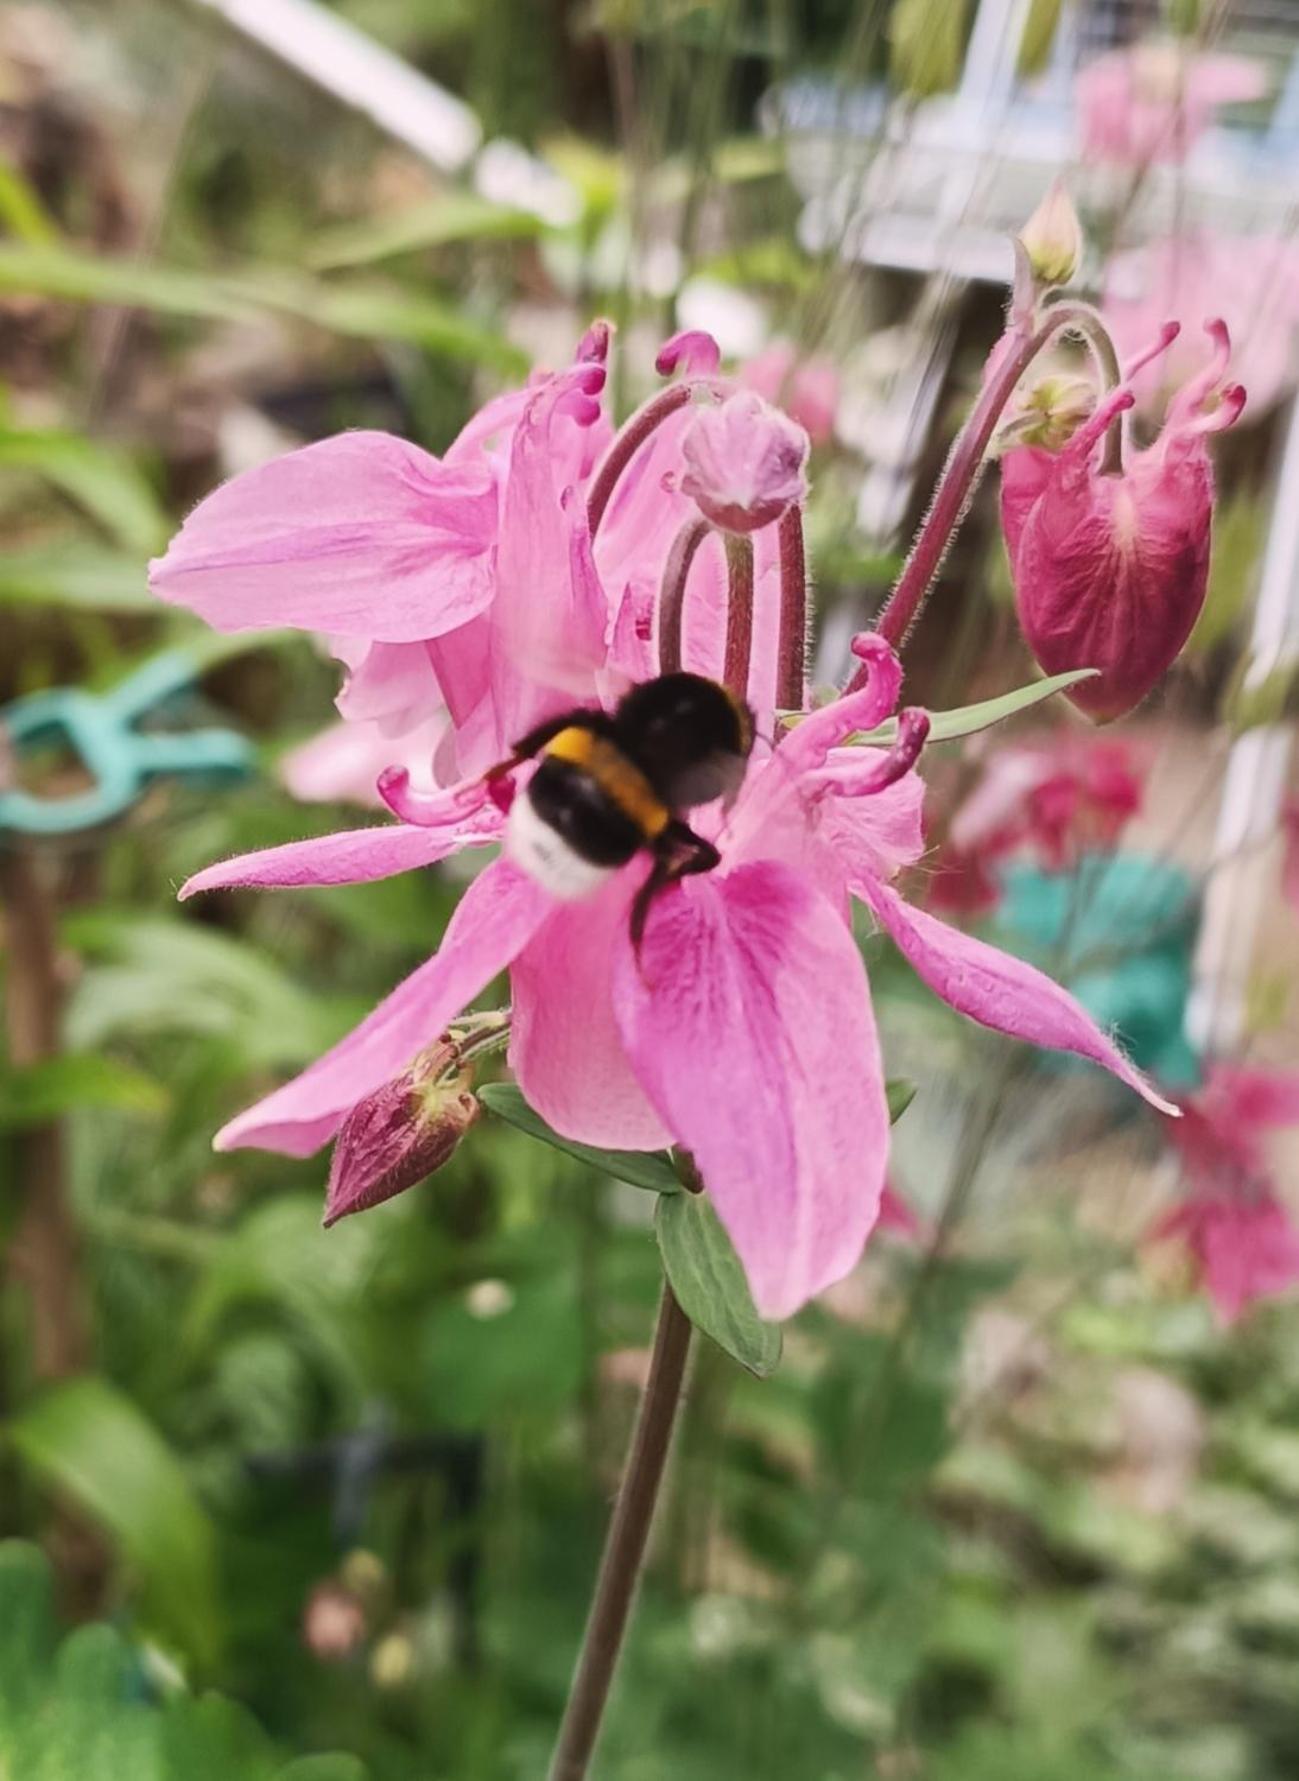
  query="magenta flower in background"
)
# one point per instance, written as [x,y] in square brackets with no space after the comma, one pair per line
[1110,571]
[743,1031]
[1251,281]
[1059,796]
[1154,102]
[1243,1240]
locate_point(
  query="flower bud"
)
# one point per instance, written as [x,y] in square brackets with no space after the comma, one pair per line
[401,1133]
[744,463]
[1110,571]
[1053,238]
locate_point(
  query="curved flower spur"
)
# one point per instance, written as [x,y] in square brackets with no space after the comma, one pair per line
[743,1030]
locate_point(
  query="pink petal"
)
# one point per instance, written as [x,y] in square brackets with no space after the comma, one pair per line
[357,856]
[550,616]
[748,1021]
[342,763]
[363,534]
[872,697]
[565,1047]
[495,919]
[998,990]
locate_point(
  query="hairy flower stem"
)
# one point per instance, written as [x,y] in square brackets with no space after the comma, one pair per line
[672,592]
[965,464]
[625,1547]
[739,612]
[791,658]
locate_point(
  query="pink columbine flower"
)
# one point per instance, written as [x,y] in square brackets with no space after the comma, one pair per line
[1110,571]
[742,1031]
[1252,281]
[1242,1238]
[806,388]
[1154,102]
[744,463]
[500,581]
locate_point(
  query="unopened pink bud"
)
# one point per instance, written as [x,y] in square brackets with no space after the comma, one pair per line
[1110,570]
[744,463]
[401,1133]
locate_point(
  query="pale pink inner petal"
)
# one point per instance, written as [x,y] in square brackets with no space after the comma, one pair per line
[496,917]
[565,1047]
[748,1021]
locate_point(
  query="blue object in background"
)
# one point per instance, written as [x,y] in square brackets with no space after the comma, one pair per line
[102,731]
[1127,926]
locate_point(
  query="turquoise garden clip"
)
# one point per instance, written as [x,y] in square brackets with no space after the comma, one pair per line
[105,732]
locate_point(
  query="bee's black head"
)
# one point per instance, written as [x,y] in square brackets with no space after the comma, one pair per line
[689,737]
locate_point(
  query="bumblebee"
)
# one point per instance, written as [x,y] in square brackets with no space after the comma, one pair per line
[608,786]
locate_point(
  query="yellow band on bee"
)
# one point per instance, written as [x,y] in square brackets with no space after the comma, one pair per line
[619,779]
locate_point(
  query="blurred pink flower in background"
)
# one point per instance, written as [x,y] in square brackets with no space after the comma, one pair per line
[1252,282]
[1153,102]
[806,388]
[1242,1239]
[1056,799]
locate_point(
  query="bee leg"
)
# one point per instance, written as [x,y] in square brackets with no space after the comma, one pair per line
[678,853]
[528,746]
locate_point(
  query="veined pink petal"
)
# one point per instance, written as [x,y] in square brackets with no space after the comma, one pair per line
[748,1021]
[364,534]
[495,919]
[565,1047]
[550,617]
[998,990]
[358,856]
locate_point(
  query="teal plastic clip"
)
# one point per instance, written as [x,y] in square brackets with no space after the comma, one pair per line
[122,760]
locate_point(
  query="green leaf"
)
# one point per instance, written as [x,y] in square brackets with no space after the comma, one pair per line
[85,1710]
[105,483]
[366,312]
[44,1091]
[705,1274]
[457,217]
[21,211]
[900,1094]
[71,572]
[90,1441]
[650,1169]
[967,720]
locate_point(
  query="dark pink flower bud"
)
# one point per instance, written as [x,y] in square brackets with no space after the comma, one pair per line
[1110,570]
[744,463]
[401,1133]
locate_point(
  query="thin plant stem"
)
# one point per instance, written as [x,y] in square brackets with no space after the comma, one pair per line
[965,465]
[739,612]
[672,594]
[628,442]
[791,670]
[624,1550]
